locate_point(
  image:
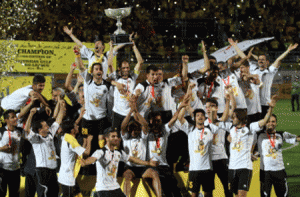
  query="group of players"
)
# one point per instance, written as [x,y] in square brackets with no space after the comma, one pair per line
[223,111]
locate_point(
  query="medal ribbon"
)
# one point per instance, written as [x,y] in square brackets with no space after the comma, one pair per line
[228,81]
[210,89]
[152,91]
[9,138]
[201,135]
[158,143]
[272,142]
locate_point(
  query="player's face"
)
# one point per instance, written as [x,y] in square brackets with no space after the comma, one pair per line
[222,66]
[12,120]
[157,123]
[200,118]
[244,69]
[81,98]
[272,123]
[97,72]
[55,95]
[38,87]
[45,129]
[99,47]
[235,120]
[125,69]
[213,74]
[160,76]
[135,133]
[114,138]
[152,77]
[262,61]
[76,129]
[208,107]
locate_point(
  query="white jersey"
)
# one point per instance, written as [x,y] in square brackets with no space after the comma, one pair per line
[157,145]
[90,55]
[43,147]
[68,156]
[267,77]
[240,145]
[121,102]
[17,99]
[107,167]
[253,104]
[213,90]
[10,161]
[165,101]
[135,147]
[95,96]
[218,145]
[270,149]
[229,78]
[200,142]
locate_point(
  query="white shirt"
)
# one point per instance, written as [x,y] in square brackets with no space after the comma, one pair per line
[95,97]
[43,147]
[200,142]
[157,145]
[267,77]
[241,144]
[90,55]
[107,167]
[68,156]
[135,147]
[253,104]
[17,99]
[218,144]
[10,161]
[121,103]
[231,79]
[271,157]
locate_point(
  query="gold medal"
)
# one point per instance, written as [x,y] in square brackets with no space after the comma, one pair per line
[273,150]
[201,143]
[134,152]
[237,146]
[158,151]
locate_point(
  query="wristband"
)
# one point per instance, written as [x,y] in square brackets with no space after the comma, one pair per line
[77,55]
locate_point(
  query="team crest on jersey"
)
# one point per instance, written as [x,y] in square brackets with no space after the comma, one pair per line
[96,99]
[200,148]
[272,152]
[215,139]
[235,91]
[112,170]
[238,146]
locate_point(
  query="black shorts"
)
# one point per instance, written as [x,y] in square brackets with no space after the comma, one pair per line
[201,177]
[138,171]
[239,179]
[112,193]
[275,178]
[94,127]
[117,120]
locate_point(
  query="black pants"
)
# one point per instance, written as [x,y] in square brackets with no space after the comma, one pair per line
[69,191]
[112,193]
[295,97]
[30,185]
[221,169]
[10,179]
[117,121]
[275,178]
[47,182]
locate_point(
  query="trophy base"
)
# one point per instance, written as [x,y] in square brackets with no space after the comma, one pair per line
[120,39]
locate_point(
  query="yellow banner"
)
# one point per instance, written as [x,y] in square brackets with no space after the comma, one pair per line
[45,57]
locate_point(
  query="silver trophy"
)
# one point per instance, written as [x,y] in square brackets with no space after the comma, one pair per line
[119,36]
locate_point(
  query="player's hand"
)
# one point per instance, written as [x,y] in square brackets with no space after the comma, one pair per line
[67,30]
[153,163]
[185,59]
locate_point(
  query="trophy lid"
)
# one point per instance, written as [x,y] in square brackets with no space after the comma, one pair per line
[118,12]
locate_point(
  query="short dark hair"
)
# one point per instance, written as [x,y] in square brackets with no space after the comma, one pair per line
[151,67]
[37,124]
[96,63]
[266,55]
[67,126]
[212,100]
[223,63]
[124,60]
[134,126]
[246,63]
[109,130]
[211,57]
[7,112]
[153,114]
[38,79]
[198,111]
[241,115]
[274,116]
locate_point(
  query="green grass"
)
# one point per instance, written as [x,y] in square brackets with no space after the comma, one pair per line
[290,122]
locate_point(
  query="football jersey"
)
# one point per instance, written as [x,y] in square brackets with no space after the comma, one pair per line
[107,167]
[135,147]
[121,102]
[43,147]
[10,161]
[157,145]
[200,142]
[68,159]
[95,96]
[270,149]
[241,144]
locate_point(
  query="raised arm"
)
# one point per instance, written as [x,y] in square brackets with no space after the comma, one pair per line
[78,60]
[61,113]
[78,83]
[70,33]
[137,54]
[237,65]
[29,120]
[277,62]
[226,111]
[206,60]
[26,108]
[184,72]
[110,60]
[42,100]
[237,49]
[69,78]
[272,104]
[125,122]
[138,117]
